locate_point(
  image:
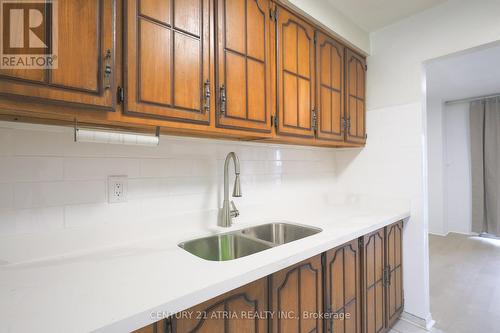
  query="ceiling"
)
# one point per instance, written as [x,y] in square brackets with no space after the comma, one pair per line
[372,15]
[469,74]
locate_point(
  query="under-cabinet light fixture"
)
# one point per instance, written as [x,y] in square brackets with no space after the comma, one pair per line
[116,137]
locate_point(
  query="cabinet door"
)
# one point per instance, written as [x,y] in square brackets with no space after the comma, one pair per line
[394,287]
[373,282]
[355,97]
[243,65]
[167,60]
[297,291]
[232,312]
[329,88]
[85,72]
[295,63]
[342,284]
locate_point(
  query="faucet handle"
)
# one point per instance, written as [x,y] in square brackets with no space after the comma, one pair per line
[234,211]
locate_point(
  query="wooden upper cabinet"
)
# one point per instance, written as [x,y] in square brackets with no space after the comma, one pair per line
[329,88]
[296,72]
[373,282]
[243,65]
[167,59]
[355,97]
[394,284]
[236,311]
[86,73]
[297,290]
[342,288]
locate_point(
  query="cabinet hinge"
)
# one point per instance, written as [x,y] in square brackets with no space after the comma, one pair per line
[206,95]
[323,260]
[107,69]
[314,120]
[384,276]
[315,38]
[366,67]
[361,242]
[168,325]
[120,95]
[274,120]
[387,276]
[273,14]
[222,101]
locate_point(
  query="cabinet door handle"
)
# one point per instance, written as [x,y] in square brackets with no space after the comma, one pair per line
[207,96]
[222,100]
[107,69]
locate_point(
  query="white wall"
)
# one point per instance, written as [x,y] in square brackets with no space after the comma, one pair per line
[333,19]
[390,166]
[396,103]
[435,162]
[398,51]
[458,187]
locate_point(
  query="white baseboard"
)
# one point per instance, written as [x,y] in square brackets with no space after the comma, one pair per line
[425,323]
[438,234]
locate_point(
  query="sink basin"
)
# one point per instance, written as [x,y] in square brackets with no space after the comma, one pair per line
[242,243]
[280,233]
[224,247]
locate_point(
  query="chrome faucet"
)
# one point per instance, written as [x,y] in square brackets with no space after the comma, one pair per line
[228,210]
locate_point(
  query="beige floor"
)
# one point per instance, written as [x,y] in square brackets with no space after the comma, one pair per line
[403,326]
[465,283]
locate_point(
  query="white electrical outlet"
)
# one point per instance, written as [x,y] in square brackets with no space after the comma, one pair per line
[117,189]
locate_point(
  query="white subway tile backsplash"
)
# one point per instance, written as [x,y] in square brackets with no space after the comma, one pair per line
[49,182]
[6,196]
[46,194]
[41,143]
[76,168]
[95,214]
[5,141]
[30,169]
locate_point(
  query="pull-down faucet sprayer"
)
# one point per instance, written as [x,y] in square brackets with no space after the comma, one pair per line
[228,210]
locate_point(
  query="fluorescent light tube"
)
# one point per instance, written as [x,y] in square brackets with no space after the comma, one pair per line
[101,136]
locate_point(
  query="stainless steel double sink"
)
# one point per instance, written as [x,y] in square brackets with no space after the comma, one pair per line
[244,242]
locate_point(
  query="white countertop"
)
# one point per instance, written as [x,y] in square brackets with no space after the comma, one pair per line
[117,289]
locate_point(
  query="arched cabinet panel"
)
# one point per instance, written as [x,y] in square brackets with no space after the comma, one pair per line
[85,73]
[230,312]
[243,65]
[296,295]
[295,75]
[355,97]
[329,88]
[394,294]
[373,285]
[342,288]
[167,60]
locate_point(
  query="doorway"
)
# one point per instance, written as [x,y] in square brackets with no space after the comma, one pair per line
[464,267]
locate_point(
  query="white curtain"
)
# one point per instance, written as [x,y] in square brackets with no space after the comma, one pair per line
[485,163]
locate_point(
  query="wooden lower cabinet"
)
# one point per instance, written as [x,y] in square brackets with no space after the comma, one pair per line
[296,295]
[356,287]
[382,278]
[230,312]
[394,288]
[373,264]
[342,288]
